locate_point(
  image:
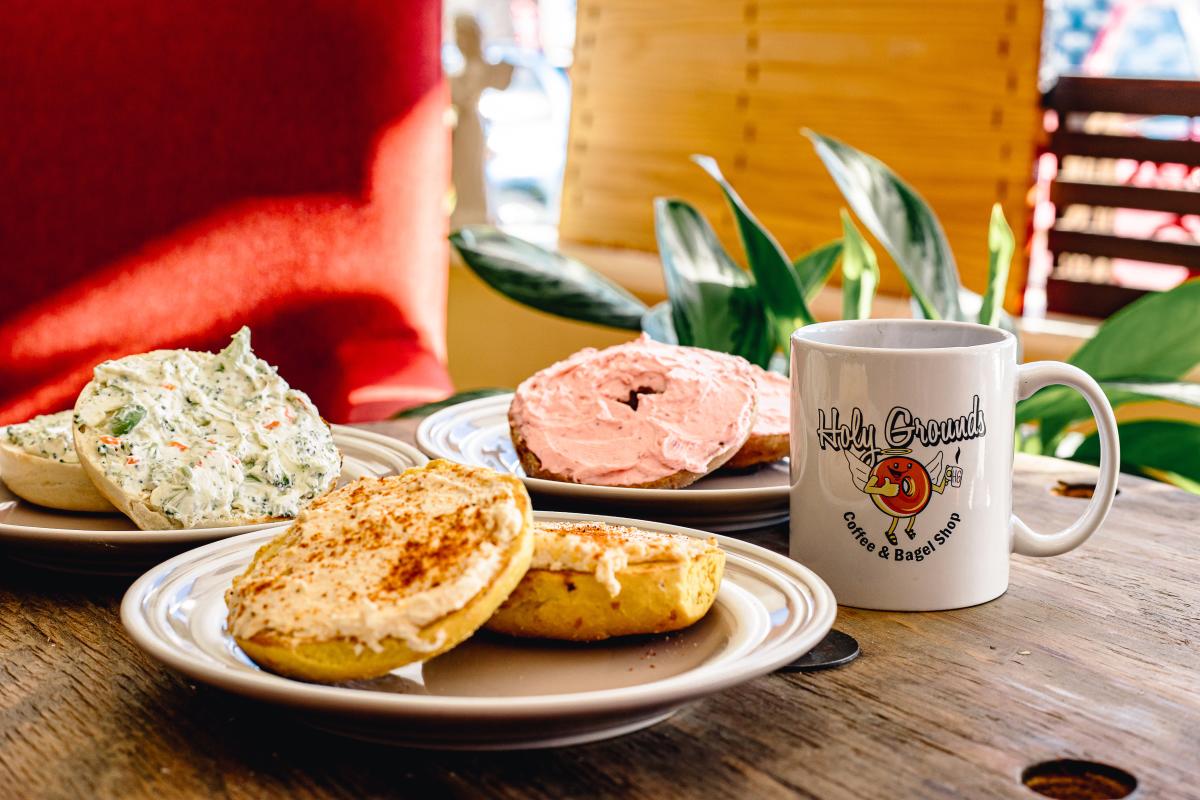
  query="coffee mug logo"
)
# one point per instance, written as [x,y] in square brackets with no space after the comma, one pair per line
[899,483]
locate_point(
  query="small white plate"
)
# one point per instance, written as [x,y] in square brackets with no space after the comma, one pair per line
[110,544]
[493,692]
[476,432]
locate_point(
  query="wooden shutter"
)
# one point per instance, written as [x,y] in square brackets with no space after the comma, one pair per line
[944,91]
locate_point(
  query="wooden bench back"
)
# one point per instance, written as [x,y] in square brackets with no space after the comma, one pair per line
[1073,96]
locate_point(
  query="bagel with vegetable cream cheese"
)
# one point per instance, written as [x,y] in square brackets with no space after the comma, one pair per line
[641,414]
[181,439]
[590,581]
[383,572]
[38,463]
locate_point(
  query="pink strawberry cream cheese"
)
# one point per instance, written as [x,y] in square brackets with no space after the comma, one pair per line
[634,413]
[774,404]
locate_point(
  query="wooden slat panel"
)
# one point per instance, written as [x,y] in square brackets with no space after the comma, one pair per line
[942,90]
[1064,193]
[1161,151]
[1083,299]
[1099,244]
[1125,95]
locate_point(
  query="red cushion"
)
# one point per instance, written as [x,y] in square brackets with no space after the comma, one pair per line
[175,170]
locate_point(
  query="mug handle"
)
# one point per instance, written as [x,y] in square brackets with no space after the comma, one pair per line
[1036,375]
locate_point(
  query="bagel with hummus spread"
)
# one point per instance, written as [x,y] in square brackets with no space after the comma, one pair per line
[641,414]
[383,572]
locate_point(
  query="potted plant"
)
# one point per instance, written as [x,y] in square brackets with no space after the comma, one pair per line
[1141,353]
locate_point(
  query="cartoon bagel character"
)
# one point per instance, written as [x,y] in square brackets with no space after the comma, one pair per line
[899,485]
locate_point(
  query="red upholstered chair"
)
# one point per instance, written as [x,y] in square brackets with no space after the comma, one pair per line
[171,171]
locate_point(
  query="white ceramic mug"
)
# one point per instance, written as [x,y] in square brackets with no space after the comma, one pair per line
[902,460]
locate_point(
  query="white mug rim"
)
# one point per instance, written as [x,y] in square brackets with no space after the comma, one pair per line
[996,338]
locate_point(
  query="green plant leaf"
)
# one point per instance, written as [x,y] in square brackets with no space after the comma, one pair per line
[1173,478]
[1052,400]
[547,281]
[1001,246]
[714,302]
[454,399]
[902,222]
[657,323]
[1152,444]
[1183,392]
[971,303]
[1064,401]
[815,267]
[860,272]
[1156,337]
[779,285]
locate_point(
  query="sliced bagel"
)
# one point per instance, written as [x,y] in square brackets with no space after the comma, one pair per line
[180,439]
[676,480]
[38,464]
[769,437]
[590,581]
[642,414]
[758,451]
[383,572]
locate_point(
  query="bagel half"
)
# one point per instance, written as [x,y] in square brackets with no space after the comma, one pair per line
[678,480]
[384,572]
[769,438]
[38,464]
[592,581]
[642,414]
[181,439]
[758,451]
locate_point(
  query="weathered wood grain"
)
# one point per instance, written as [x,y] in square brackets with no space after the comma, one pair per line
[1091,655]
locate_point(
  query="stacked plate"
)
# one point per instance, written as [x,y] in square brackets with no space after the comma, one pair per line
[476,432]
[491,692]
[494,692]
[110,544]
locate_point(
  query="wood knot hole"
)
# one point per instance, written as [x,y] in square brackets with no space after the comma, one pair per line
[1082,490]
[1070,779]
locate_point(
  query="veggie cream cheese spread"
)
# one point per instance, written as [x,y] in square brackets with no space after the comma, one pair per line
[47,436]
[382,557]
[605,550]
[205,438]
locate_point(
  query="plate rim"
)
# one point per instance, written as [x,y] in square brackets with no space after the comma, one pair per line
[662,693]
[611,494]
[31,533]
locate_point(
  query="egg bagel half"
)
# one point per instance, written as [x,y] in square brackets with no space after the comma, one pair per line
[384,572]
[590,581]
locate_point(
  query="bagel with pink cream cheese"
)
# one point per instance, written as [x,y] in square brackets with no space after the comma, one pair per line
[640,414]
[769,437]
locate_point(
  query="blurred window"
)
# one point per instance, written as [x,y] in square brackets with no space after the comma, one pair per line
[524,123]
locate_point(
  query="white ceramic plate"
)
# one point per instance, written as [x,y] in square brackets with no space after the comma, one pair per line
[476,432]
[111,544]
[493,692]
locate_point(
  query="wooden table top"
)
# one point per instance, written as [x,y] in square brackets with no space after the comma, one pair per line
[1091,655]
